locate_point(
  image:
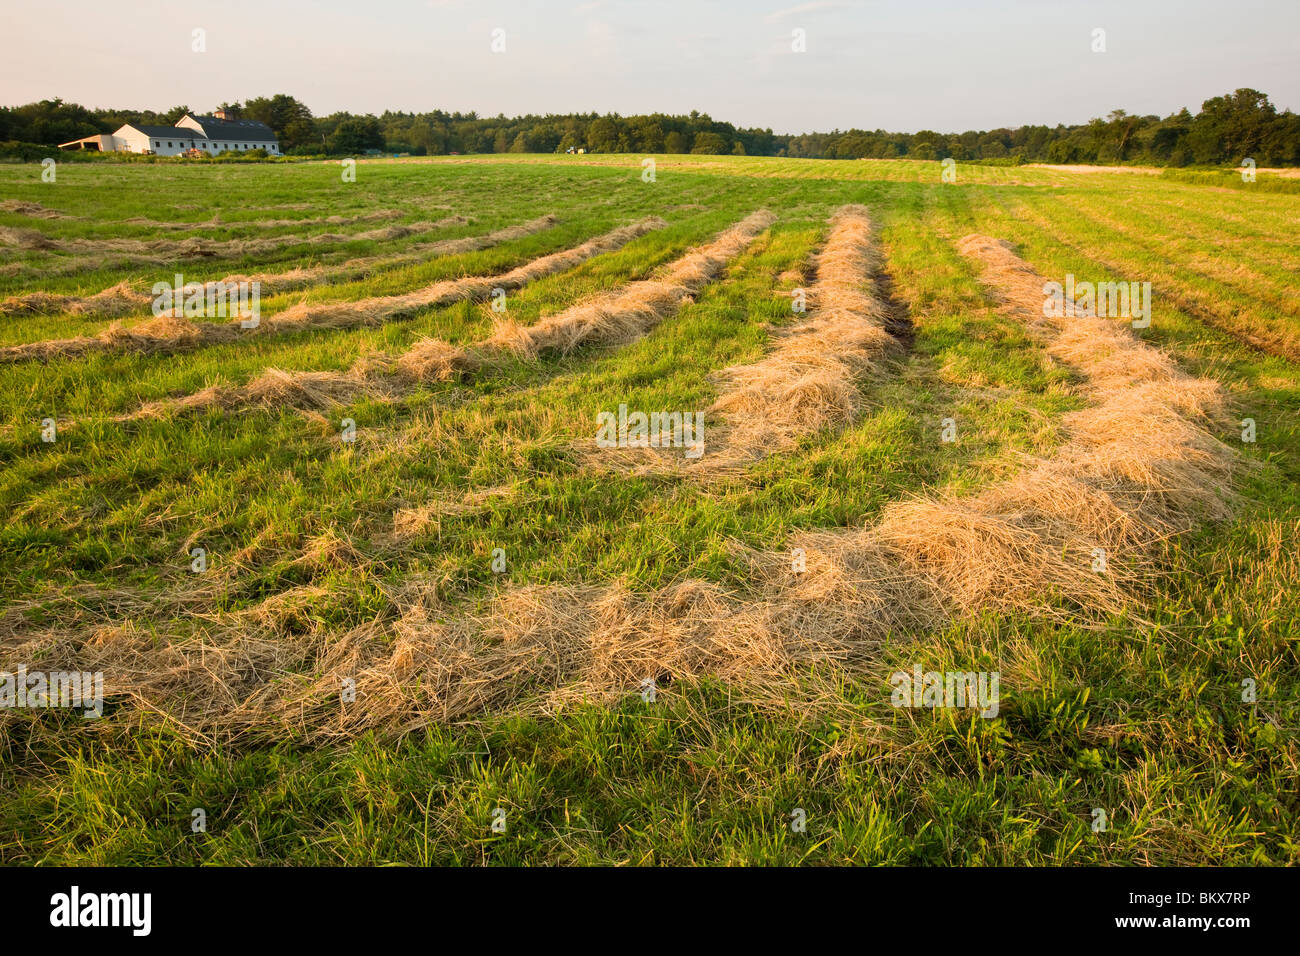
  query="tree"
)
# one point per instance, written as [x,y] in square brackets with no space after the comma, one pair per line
[602,136]
[356,135]
[288,118]
[923,146]
[709,144]
[50,122]
[648,135]
[1227,129]
[1230,128]
[1169,139]
[1121,126]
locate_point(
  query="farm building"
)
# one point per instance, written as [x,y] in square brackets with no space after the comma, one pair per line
[207,135]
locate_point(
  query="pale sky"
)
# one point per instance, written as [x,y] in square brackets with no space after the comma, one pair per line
[899,65]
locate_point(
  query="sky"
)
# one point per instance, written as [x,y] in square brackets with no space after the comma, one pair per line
[903,66]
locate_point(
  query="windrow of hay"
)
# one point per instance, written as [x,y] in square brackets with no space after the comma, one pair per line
[94,254]
[114,301]
[216,222]
[33,210]
[608,319]
[277,388]
[169,333]
[1139,444]
[808,382]
[121,299]
[377,310]
[1136,467]
[162,335]
[629,314]
[171,250]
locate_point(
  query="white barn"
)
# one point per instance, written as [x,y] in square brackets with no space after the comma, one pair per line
[159,140]
[222,131]
[207,134]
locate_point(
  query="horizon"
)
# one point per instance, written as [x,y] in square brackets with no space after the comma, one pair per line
[948,69]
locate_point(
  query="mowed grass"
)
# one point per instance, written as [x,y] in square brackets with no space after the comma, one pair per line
[1143,720]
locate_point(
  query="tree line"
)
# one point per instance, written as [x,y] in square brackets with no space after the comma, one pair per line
[1226,130]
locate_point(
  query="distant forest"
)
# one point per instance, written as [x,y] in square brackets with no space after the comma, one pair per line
[1226,130]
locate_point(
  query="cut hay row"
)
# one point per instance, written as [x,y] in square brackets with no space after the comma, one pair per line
[168,334]
[615,318]
[35,210]
[375,311]
[1220,309]
[809,381]
[122,299]
[216,222]
[116,300]
[626,316]
[274,283]
[609,319]
[1135,468]
[167,250]
[95,253]
[32,210]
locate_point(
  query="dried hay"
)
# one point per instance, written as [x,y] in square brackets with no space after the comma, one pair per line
[121,299]
[808,382]
[162,335]
[170,250]
[1135,468]
[627,315]
[377,310]
[434,360]
[32,209]
[173,334]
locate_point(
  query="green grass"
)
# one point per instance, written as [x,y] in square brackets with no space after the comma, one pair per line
[1145,721]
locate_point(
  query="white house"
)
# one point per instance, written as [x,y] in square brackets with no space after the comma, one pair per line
[207,134]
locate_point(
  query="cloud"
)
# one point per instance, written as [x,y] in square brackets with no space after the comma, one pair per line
[805,8]
[599,34]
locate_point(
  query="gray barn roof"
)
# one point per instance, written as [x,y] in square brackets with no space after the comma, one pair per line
[175,132]
[243,130]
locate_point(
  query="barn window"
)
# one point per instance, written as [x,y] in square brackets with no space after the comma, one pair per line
[157,143]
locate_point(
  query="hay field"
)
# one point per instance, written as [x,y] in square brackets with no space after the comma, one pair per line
[428,592]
